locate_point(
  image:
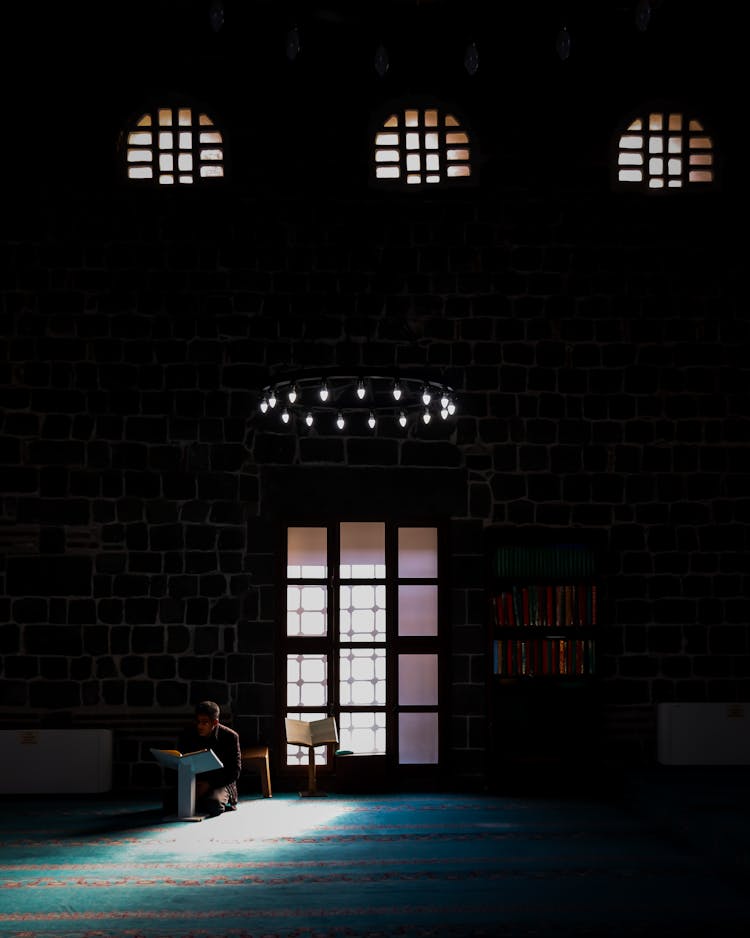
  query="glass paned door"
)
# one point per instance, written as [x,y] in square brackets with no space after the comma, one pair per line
[361,639]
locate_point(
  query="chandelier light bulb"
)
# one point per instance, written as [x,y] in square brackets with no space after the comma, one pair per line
[285,416]
[426,416]
[371,421]
[263,406]
[361,389]
[402,419]
[292,394]
[444,413]
[272,399]
[340,421]
[451,408]
[396,391]
[309,419]
[426,396]
[324,392]
[444,400]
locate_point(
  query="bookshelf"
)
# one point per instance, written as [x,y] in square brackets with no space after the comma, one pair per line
[543,612]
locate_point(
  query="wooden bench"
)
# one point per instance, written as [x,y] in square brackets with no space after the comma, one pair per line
[256,758]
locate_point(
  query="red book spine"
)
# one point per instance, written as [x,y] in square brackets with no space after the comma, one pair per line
[550,608]
[581,590]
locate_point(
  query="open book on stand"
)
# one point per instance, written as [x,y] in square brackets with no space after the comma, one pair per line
[311,734]
[315,733]
[187,766]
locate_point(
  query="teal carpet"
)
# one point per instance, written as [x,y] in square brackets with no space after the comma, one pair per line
[422,865]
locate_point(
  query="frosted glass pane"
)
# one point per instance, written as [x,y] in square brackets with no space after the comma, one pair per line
[418,739]
[417,552]
[312,695]
[363,733]
[306,680]
[362,549]
[362,613]
[362,677]
[417,610]
[306,612]
[306,553]
[418,680]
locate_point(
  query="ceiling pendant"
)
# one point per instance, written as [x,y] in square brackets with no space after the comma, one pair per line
[471,59]
[292,44]
[562,44]
[216,14]
[381,61]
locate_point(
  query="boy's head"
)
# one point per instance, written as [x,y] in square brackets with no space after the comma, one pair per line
[206,716]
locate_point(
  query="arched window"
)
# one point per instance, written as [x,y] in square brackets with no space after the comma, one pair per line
[174,146]
[665,150]
[418,146]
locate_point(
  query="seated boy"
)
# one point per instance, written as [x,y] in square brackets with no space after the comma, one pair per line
[216,790]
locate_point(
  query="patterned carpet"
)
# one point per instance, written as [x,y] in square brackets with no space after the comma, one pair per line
[422,865]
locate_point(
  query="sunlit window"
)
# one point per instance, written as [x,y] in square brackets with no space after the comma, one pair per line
[421,147]
[361,642]
[174,146]
[665,150]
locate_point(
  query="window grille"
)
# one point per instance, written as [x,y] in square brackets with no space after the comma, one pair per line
[172,146]
[421,146]
[665,150]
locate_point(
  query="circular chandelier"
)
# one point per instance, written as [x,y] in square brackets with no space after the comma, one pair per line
[356,402]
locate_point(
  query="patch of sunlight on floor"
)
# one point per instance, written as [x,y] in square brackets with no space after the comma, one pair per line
[285,817]
[266,819]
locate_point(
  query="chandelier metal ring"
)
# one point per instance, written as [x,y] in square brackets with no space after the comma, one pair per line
[336,399]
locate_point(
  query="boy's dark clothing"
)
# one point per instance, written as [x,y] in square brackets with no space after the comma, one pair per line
[225,743]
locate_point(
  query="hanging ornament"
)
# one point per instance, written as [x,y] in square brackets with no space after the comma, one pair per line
[643,14]
[292,44]
[471,59]
[381,61]
[216,15]
[562,44]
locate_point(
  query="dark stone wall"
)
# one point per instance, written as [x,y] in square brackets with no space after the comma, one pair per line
[603,384]
[598,342]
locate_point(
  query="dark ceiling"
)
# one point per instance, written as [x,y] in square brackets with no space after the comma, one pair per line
[137,39]
[76,66]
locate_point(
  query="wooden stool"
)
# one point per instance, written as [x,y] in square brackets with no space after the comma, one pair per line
[256,757]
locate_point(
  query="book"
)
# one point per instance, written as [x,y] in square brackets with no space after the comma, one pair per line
[202,760]
[178,754]
[311,733]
